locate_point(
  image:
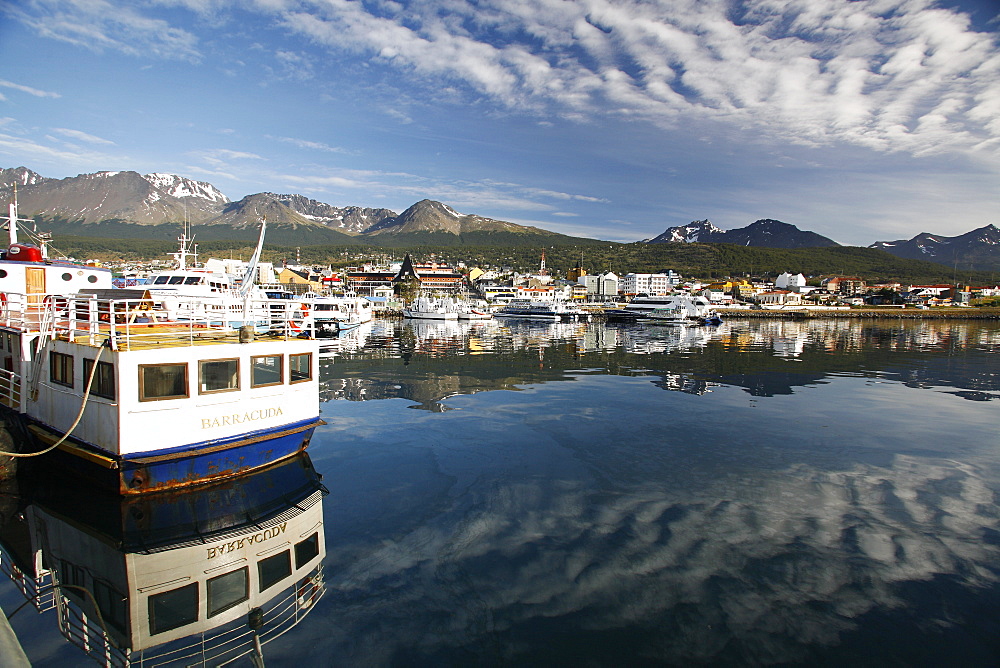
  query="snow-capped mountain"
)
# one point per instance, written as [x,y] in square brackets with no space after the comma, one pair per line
[978,249]
[350,219]
[181,187]
[430,216]
[765,232]
[698,230]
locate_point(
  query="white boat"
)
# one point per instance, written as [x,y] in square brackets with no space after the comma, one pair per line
[111,385]
[429,308]
[186,293]
[527,309]
[468,310]
[695,308]
[332,314]
[667,316]
[200,577]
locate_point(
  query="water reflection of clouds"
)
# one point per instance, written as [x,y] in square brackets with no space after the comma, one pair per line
[764,549]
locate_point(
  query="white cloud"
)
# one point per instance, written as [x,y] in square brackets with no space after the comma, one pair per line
[27,89]
[809,71]
[101,25]
[82,136]
[315,145]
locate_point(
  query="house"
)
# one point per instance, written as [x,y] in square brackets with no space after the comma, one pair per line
[780,297]
[793,282]
[844,285]
[300,281]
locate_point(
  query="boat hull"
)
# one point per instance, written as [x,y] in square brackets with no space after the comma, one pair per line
[181,467]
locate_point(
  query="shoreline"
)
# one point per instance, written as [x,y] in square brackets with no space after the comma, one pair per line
[873,313]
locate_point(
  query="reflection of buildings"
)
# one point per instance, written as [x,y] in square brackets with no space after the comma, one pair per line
[173,578]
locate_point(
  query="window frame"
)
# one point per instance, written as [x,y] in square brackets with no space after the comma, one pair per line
[98,388]
[151,608]
[212,612]
[281,370]
[64,364]
[261,565]
[309,367]
[300,548]
[239,376]
[142,388]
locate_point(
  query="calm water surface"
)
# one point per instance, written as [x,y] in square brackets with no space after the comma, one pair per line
[766,492]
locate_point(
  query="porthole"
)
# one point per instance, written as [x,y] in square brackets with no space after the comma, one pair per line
[92,278]
[67,276]
[3,273]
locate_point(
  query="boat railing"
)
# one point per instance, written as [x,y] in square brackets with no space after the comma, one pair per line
[96,319]
[218,646]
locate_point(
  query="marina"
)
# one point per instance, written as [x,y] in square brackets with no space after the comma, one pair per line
[646,484]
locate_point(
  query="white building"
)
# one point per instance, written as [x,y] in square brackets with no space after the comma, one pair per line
[793,282]
[605,285]
[649,284]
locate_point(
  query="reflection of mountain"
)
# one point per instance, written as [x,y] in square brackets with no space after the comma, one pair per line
[430,362]
[172,576]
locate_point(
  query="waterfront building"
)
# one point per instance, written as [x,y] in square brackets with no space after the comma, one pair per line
[650,284]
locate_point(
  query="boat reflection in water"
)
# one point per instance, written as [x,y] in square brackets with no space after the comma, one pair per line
[198,577]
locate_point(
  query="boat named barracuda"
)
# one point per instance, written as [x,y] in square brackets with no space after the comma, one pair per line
[112,382]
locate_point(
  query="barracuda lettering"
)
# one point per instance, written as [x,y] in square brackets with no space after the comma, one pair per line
[240,418]
[259,537]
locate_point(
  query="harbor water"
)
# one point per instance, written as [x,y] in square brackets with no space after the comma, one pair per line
[821,492]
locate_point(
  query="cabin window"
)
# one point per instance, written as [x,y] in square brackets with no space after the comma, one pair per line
[162,381]
[104,379]
[228,590]
[161,280]
[111,603]
[266,370]
[218,376]
[192,280]
[173,609]
[67,276]
[61,369]
[300,367]
[175,280]
[72,574]
[274,569]
[92,278]
[3,273]
[306,550]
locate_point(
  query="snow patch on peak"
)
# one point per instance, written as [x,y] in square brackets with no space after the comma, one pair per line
[180,187]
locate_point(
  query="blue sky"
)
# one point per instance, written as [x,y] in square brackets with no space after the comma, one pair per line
[612,119]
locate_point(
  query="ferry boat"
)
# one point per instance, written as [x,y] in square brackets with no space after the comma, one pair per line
[428,308]
[196,577]
[695,308]
[536,310]
[111,384]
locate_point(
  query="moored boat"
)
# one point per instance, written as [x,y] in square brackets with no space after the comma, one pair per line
[429,308]
[527,309]
[143,403]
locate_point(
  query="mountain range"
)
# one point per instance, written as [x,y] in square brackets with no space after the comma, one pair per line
[978,249]
[766,232]
[127,204]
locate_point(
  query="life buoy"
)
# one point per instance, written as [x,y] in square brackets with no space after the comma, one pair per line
[306,592]
[304,307]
